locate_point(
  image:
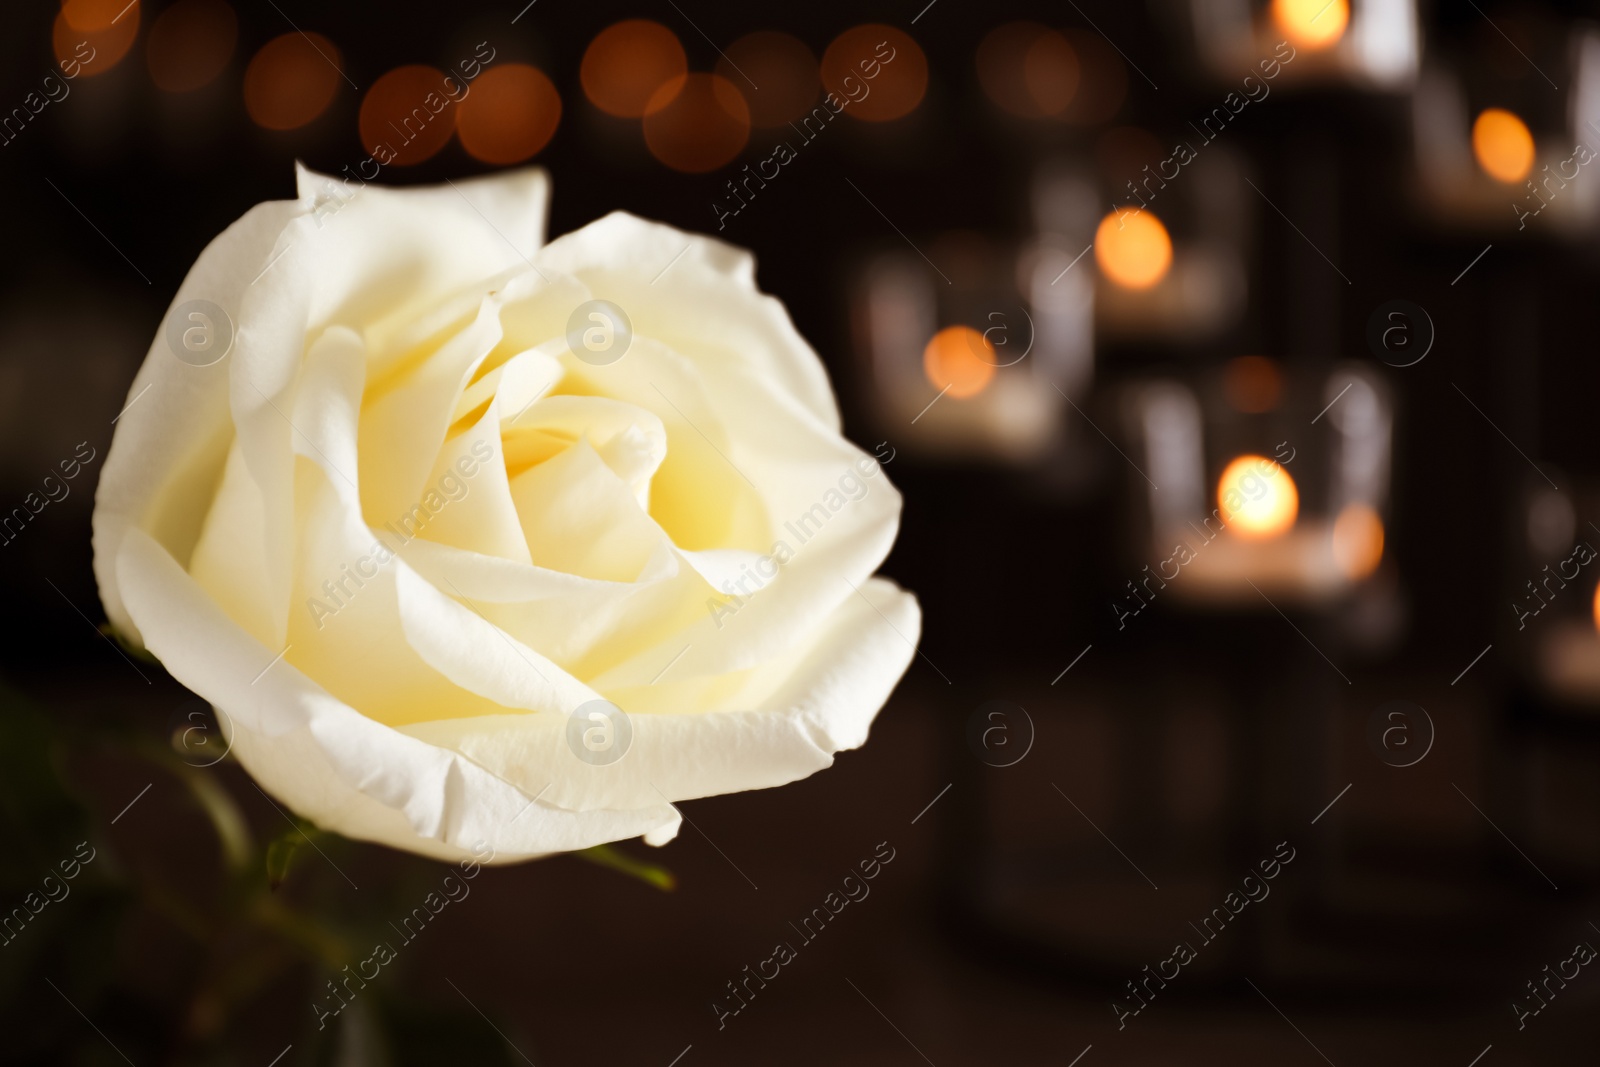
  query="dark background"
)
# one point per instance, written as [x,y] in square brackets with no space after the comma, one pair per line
[1008,922]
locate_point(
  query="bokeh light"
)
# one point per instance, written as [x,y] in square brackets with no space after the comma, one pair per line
[92,16]
[783,68]
[959,359]
[1357,541]
[1313,24]
[190,43]
[627,64]
[291,80]
[1132,248]
[408,115]
[510,113]
[94,35]
[1503,145]
[1123,151]
[696,123]
[1253,384]
[1597,607]
[897,67]
[1102,79]
[1050,72]
[1264,497]
[1028,69]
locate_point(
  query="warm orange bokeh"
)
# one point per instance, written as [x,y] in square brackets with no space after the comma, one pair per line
[1597,607]
[510,114]
[1253,384]
[1102,79]
[1132,248]
[1264,494]
[408,115]
[959,359]
[1503,145]
[1313,24]
[1050,72]
[291,80]
[93,35]
[697,123]
[899,69]
[93,16]
[190,43]
[1028,69]
[1357,540]
[627,64]
[784,69]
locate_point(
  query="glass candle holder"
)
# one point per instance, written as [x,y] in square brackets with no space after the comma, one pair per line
[1257,494]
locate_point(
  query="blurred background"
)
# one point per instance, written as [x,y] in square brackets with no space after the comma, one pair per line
[1231,359]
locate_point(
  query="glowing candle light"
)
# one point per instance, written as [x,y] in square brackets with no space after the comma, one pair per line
[1597,607]
[959,359]
[1257,498]
[1313,24]
[1503,145]
[1357,540]
[1133,249]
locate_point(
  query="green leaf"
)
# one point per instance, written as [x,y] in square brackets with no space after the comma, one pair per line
[614,858]
[280,855]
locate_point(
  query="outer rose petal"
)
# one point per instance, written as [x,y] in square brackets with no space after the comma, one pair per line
[829,692]
[330,763]
[170,446]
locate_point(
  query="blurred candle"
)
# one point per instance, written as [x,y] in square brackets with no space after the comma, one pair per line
[1357,541]
[1312,24]
[959,360]
[1257,498]
[1132,248]
[1503,145]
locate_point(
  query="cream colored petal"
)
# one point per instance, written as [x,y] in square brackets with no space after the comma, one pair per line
[697,295]
[834,519]
[380,251]
[818,701]
[579,517]
[173,437]
[329,763]
[583,624]
[466,501]
[229,560]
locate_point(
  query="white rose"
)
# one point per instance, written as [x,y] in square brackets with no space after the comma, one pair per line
[400,532]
